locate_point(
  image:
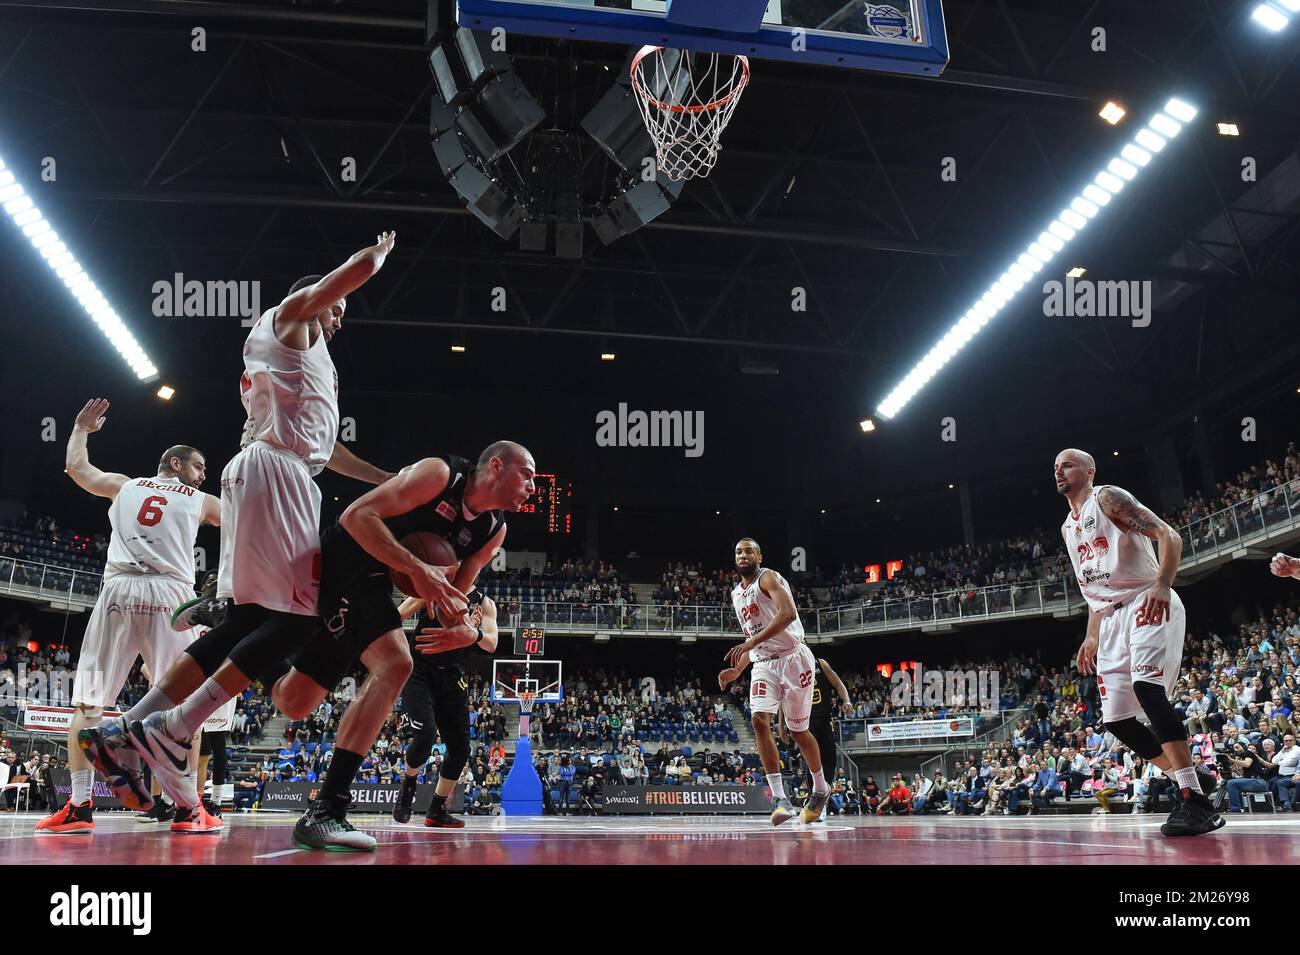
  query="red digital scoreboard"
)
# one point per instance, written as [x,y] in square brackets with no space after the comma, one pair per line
[553,501]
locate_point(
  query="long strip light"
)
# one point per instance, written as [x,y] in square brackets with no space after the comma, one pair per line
[1135,157]
[27,217]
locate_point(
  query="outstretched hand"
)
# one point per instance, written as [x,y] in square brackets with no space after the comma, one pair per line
[91,418]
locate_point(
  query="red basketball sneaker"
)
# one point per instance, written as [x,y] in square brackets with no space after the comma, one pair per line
[70,819]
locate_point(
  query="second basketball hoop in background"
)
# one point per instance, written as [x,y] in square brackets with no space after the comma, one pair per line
[686,100]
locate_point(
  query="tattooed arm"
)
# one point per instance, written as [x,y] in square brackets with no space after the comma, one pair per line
[1129,514]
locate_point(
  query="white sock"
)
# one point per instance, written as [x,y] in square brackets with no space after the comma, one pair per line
[185,720]
[82,781]
[1186,779]
[152,702]
[777,785]
[819,782]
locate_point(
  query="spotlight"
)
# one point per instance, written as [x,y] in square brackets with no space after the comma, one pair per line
[1112,113]
[607,356]
[1076,272]
[1229,129]
[458,349]
[166,392]
[867,425]
[1270,18]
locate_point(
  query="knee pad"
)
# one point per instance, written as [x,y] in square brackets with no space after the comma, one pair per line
[273,640]
[1165,723]
[1136,737]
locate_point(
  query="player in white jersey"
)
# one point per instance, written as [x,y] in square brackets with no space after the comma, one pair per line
[149,572]
[783,675]
[270,535]
[1136,625]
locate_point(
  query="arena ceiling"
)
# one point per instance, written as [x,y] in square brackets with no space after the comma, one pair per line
[226,165]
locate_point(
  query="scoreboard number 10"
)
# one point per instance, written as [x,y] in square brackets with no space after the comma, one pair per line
[530,641]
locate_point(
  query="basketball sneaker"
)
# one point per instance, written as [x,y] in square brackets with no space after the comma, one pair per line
[1193,815]
[815,805]
[405,800]
[439,818]
[783,812]
[211,808]
[168,758]
[70,820]
[325,826]
[108,747]
[205,610]
[161,811]
[193,820]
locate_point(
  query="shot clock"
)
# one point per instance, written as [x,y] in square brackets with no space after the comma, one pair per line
[530,641]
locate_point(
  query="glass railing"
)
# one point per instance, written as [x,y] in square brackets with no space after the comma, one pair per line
[22,578]
[1246,523]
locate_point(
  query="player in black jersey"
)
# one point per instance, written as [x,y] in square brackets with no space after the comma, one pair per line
[436,699]
[448,496]
[819,723]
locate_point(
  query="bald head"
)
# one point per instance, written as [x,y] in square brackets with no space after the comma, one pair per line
[1075,471]
[509,452]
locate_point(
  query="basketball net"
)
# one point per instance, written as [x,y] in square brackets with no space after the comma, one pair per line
[526,700]
[686,100]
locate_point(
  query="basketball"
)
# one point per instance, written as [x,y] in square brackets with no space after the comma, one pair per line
[431,549]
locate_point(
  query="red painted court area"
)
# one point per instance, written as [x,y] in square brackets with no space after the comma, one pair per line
[1062,840]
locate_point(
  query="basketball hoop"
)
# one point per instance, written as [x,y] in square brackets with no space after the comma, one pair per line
[686,100]
[526,701]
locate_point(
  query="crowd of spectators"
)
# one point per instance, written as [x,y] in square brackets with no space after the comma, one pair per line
[1237,694]
[1240,504]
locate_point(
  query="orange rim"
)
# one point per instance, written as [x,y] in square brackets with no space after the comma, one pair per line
[677,107]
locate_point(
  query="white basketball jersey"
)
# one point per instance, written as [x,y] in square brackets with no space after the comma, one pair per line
[1112,566]
[155,521]
[755,610]
[291,396]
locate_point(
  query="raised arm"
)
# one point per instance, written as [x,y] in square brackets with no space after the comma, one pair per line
[344,462]
[77,461]
[306,303]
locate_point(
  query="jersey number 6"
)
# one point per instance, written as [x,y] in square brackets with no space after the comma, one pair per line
[151,510]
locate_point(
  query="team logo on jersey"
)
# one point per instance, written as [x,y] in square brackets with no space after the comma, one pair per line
[886,21]
[463,537]
[1089,523]
[1101,545]
[446,510]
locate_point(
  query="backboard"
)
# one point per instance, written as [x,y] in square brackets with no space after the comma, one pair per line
[510,678]
[898,36]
